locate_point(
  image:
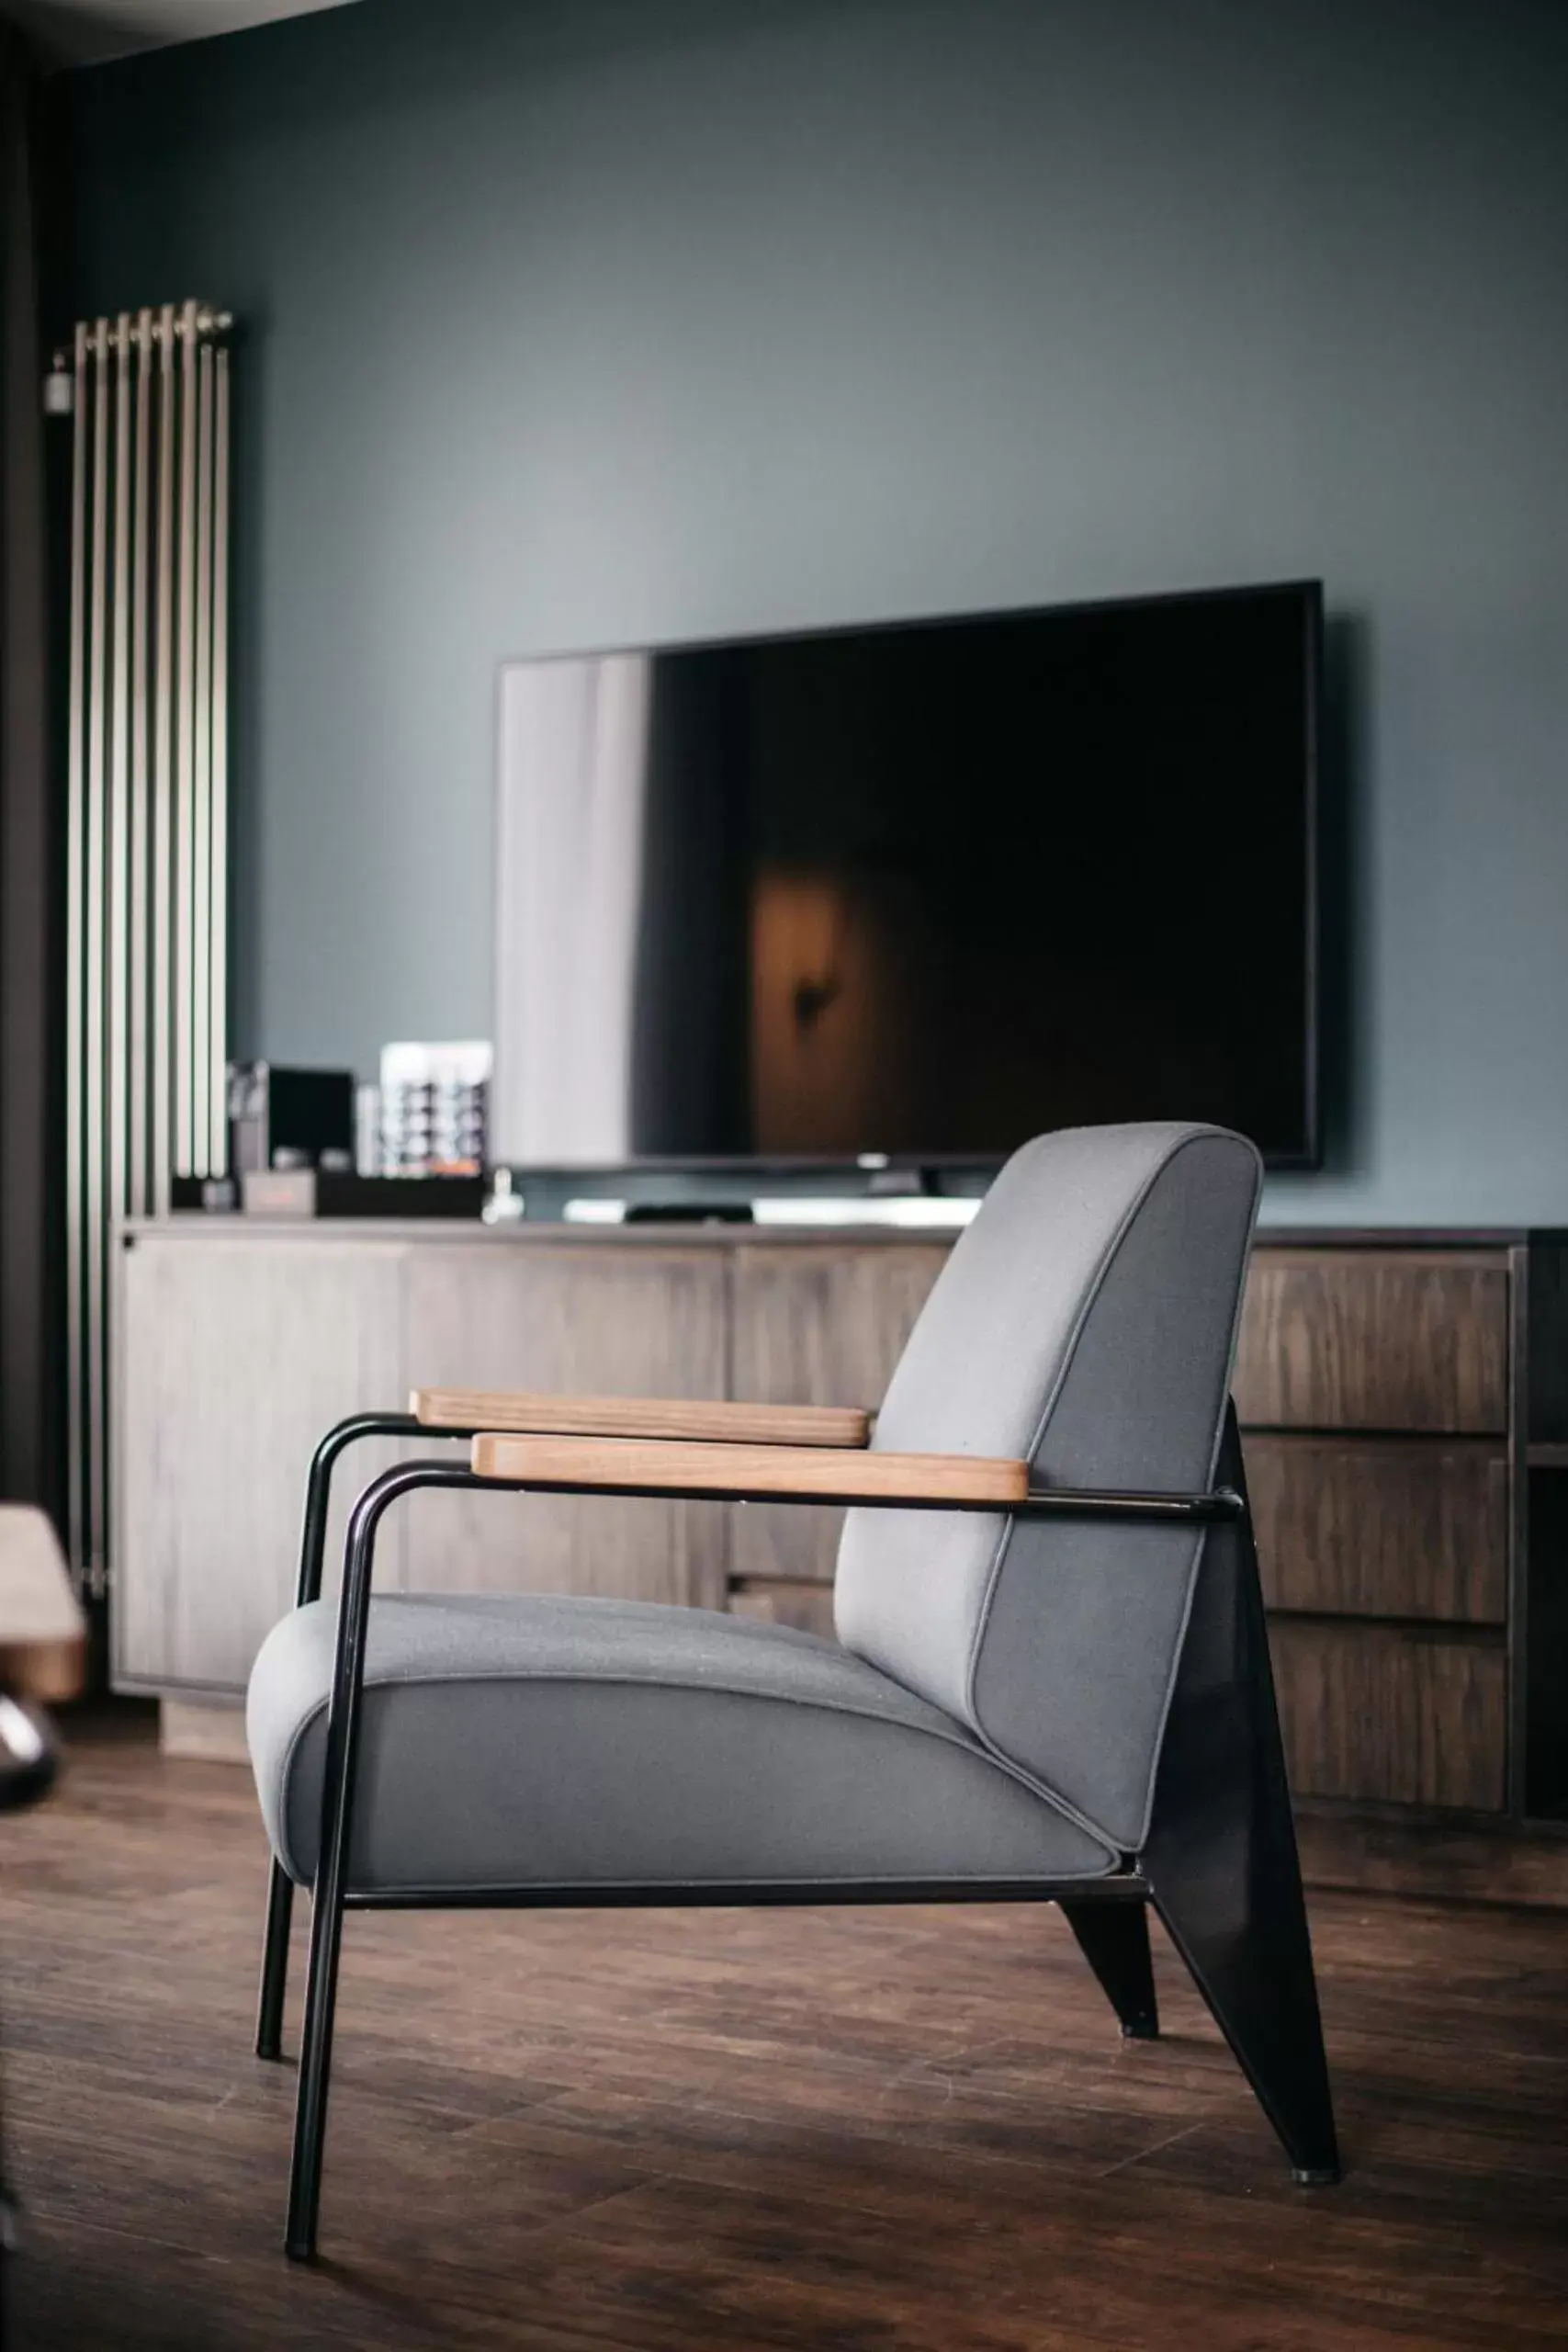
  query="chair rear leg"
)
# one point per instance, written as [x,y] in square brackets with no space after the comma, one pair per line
[1114,1940]
[1273,2028]
[1221,1858]
[274,1962]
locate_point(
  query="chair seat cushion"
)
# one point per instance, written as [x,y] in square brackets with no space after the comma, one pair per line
[519,1741]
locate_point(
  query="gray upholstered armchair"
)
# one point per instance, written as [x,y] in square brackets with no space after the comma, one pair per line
[1052,1683]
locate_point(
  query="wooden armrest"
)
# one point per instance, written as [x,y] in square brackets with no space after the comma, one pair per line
[762,1473]
[641,1416]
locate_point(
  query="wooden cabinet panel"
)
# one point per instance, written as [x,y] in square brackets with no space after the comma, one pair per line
[590,1320]
[1374,1339]
[1407,1527]
[232,1360]
[1391,1713]
[816,1326]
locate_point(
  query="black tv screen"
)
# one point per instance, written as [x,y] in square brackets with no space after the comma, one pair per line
[921,890]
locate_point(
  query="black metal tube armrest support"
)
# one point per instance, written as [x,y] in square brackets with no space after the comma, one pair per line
[318,1485]
[1041,1502]
[337,1799]
[308,1588]
[1084,1502]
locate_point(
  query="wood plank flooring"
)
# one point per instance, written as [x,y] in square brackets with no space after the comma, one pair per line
[640,2132]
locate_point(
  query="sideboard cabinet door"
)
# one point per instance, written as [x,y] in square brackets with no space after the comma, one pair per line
[814,1324]
[636,1320]
[231,1359]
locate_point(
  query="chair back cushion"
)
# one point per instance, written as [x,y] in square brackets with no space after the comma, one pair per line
[1086,1321]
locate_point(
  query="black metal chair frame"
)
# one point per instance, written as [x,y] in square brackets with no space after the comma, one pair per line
[1219,1866]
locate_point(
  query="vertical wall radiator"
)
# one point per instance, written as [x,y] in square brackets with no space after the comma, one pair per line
[147,818]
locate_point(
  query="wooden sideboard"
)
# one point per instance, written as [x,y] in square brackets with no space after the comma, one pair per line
[1403,1395]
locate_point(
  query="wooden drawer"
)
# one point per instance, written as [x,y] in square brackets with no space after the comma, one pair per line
[1391,1713]
[1375,1340]
[1402,1527]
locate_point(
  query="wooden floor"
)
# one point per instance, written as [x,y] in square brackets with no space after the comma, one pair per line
[854,2129]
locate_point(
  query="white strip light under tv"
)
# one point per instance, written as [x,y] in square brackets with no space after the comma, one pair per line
[933,1215]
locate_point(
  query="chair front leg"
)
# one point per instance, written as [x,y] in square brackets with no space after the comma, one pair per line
[330,1886]
[1114,1937]
[308,1588]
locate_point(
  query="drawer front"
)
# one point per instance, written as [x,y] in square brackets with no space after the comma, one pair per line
[1408,1527]
[1391,1713]
[1364,1339]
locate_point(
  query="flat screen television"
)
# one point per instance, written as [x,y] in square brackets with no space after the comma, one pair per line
[919,890]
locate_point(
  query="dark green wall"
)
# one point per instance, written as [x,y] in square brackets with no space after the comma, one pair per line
[582,324]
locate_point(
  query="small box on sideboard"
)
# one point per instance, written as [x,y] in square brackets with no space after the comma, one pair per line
[303,1193]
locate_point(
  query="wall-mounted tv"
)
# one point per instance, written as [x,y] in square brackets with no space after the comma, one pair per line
[922,889]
